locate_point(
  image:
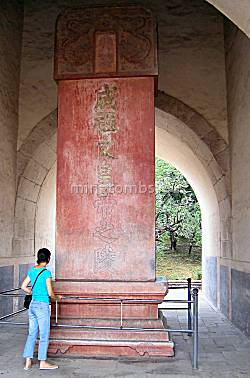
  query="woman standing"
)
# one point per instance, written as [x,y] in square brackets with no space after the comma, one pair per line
[39,311]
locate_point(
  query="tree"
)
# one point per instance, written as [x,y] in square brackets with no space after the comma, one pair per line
[177,209]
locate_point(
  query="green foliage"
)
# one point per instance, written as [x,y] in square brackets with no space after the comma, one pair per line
[177,209]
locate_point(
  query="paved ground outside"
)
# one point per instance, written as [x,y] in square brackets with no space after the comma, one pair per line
[224,352]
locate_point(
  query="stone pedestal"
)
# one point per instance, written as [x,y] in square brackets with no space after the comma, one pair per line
[148,294]
[103,333]
[105,65]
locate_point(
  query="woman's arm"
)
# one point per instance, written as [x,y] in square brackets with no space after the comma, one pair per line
[25,287]
[51,291]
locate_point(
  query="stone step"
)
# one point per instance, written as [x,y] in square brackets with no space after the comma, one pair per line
[107,334]
[153,341]
[136,323]
[112,348]
[150,329]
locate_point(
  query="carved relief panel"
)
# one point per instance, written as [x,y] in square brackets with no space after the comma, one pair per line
[102,42]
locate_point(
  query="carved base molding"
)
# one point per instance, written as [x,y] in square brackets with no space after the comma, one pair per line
[89,308]
[100,319]
[112,348]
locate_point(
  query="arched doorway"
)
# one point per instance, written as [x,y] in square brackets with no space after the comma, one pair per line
[180,146]
[177,143]
[178,238]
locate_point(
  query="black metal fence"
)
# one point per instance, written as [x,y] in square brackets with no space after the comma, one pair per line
[192,315]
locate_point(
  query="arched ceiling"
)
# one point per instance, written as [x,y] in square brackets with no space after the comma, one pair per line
[238,11]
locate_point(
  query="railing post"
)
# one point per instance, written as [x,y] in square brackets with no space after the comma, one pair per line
[189,305]
[56,312]
[121,313]
[195,329]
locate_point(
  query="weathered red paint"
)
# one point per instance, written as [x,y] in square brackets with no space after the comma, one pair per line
[120,224]
[105,64]
[112,348]
[144,292]
[78,216]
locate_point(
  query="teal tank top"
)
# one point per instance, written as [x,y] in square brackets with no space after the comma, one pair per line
[40,292]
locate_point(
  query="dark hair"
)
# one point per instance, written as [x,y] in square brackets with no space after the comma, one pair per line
[43,255]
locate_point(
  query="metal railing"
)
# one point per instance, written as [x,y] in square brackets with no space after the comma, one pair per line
[192,318]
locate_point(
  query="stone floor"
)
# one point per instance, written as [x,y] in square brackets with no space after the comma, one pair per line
[224,352]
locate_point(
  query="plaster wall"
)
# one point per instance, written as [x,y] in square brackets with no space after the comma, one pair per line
[238,74]
[191,58]
[237,11]
[11,15]
[238,84]
[45,220]
[30,189]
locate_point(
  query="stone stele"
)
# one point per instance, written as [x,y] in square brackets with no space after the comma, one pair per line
[105,66]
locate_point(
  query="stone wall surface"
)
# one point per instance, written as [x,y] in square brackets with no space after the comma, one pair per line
[45,217]
[238,88]
[191,58]
[210,270]
[10,48]
[224,289]
[6,283]
[237,11]
[238,74]
[35,160]
[241,300]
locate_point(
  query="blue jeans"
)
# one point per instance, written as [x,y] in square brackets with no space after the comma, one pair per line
[39,318]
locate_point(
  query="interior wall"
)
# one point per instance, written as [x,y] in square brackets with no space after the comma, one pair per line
[11,15]
[45,219]
[236,271]
[190,50]
[236,11]
[35,160]
[191,58]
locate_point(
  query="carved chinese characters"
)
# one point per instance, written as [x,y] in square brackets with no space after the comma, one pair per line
[105,141]
[105,124]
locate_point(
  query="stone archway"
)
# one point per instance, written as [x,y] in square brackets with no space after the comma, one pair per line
[37,174]
[201,127]
[236,11]
[45,218]
[180,146]
[36,157]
